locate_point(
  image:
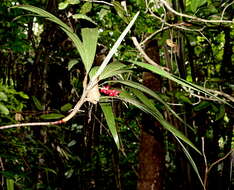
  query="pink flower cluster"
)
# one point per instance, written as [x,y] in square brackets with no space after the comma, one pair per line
[106,90]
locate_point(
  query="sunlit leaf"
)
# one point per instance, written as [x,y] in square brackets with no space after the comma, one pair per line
[71,63]
[23,95]
[4,109]
[84,17]
[69,173]
[3,96]
[110,119]
[63,5]
[73,2]
[72,143]
[86,8]
[10,184]
[111,69]
[195,4]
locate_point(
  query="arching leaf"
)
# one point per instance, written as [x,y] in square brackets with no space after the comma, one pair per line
[178,80]
[86,49]
[128,98]
[151,93]
[111,70]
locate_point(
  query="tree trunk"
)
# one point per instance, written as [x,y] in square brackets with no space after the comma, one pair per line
[151,155]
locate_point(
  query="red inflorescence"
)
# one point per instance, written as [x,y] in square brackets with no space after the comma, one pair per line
[106,90]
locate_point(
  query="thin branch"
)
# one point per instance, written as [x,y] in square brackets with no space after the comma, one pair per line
[207,169]
[153,34]
[177,25]
[64,120]
[206,165]
[220,160]
[214,92]
[145,56]
[166,4]
[225,9]
[100,2]
[3,169]
[222,94]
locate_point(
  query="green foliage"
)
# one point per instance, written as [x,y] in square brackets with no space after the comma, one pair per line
[82,152]
[51,116]
[178,80]
[195,4]
[64,4]
[10,184]
[112,69]
[121,12]
[84,17]
[11,100]
[37,103]
[86,47]
[157,115]
[110,119]
[86,8]
[66,107]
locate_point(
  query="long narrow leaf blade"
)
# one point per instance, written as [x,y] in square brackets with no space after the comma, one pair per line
[151,93]
[177,80]
[114,49]
[61,24]
[191,161]
[110,70]
[158,117]
[110,119]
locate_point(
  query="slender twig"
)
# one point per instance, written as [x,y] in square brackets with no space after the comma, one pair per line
[208,168]
[214,92]
[100,2]
[219,160]
[3,169]
[225,9]
[153,34]
[222,94]
[64,120]
[74,111]
[177,25]
[145,56]
[166,4]
[206,165]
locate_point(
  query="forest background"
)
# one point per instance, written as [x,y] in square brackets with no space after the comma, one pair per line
[160,117]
